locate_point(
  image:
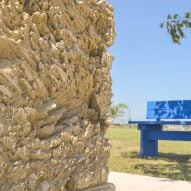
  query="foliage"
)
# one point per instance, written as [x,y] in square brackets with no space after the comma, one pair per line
[118,110]
[176,26]
[174,159]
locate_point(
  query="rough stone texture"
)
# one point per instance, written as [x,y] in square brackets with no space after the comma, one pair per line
[55,93]
[105,187]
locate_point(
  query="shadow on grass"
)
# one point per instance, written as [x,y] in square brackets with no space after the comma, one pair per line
[168,165]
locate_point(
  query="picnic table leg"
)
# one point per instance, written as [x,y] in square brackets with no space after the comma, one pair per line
[149,148]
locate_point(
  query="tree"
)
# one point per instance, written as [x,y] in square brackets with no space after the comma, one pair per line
[118,110]
[177,26]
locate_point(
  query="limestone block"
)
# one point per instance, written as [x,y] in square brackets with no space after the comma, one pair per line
[55,94]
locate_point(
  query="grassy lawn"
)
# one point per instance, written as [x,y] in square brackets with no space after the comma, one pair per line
[174,159]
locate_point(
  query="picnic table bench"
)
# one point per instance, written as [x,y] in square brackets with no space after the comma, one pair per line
[175,113]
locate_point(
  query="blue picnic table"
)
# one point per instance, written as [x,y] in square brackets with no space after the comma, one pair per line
[162,113]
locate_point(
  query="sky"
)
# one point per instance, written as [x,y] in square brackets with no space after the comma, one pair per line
[147,65]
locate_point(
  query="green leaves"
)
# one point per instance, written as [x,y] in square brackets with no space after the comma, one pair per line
[161,25]
[188,15]
[177,26]
[175,16]
[118,110]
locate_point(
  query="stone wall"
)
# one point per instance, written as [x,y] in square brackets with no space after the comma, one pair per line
[55,94]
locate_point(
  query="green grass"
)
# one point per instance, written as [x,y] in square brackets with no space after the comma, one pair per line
[174,159]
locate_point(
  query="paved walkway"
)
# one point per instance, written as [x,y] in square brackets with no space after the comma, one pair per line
[131,182]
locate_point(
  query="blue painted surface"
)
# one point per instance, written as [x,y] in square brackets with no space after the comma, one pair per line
[168,114]
[151,131]
[160,122]
[178,104]
[169,135]
[148,147]
[180,109]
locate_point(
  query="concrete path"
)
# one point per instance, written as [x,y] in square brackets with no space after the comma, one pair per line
[131,182]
